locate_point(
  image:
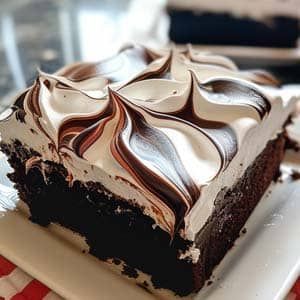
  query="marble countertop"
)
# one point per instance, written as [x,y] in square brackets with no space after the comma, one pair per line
[50,33]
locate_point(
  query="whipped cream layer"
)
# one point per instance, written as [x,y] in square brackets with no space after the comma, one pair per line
[165,130]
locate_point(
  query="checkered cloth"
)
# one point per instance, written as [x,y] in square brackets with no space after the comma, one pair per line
[15,284]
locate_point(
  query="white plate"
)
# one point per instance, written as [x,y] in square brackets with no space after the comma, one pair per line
[263,264]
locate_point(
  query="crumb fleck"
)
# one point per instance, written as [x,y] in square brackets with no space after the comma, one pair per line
[144,286]
[130,272]
[83,251]
[244,231]
[116,261]
[145,283]
[292,144]
[280,180]
[295,174]
[209,282]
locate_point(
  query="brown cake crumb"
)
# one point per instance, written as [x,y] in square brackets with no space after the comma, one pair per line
[295,174]
[292,144]
[244,231]
[279,180]
[33,131]
[209,282]
[144,286]
[116,261]
[145,283]
[130,272]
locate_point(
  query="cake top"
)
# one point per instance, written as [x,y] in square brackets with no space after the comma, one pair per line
[258,9]
[166,122]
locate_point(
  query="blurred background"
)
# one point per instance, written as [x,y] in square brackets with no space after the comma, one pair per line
[47,34]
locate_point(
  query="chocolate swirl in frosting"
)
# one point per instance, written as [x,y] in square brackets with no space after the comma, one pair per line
[149,155]
[120,67]
[150,108]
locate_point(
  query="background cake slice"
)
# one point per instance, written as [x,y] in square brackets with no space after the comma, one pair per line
[269,23]
[157,158]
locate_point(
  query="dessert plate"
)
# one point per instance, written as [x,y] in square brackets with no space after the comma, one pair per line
[263,264]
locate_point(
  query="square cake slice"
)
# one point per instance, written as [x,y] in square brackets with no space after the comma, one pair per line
[156,158]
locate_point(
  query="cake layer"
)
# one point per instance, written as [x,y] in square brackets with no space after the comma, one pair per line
[187,26]
[115,229]
[264,23]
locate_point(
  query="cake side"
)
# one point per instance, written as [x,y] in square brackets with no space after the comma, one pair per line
[113,229]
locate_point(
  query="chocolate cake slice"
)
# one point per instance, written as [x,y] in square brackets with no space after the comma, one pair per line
[156,158]
[263,23]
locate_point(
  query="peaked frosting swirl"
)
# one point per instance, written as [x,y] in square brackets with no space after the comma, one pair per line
[169,121]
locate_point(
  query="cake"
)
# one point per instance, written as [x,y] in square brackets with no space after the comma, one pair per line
[156,157]
[265,23]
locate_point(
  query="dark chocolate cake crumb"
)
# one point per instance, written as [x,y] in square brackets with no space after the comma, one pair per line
[279,180]
[244,231]
[33,131]
[209,282]
[145,283]
[292,144]
[130,272]
[295,174]
[116,261]
[83,251]
[144,286]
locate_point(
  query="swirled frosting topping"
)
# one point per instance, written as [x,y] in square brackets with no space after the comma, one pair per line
[168,122]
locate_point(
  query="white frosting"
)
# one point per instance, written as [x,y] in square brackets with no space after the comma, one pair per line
[198,153]
[255,139]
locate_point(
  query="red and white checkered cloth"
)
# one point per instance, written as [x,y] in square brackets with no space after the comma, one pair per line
[15,284]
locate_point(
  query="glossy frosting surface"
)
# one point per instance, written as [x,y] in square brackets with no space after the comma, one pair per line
[162,125]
